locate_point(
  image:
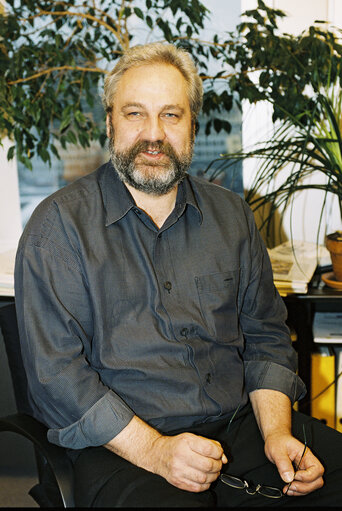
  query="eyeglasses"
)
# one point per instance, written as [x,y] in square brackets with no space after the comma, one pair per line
[261,489]
[241,484]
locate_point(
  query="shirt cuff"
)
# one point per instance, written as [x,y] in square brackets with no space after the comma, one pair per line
[102,422]
[263,374]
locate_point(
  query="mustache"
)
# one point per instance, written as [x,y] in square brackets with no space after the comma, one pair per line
[145,145]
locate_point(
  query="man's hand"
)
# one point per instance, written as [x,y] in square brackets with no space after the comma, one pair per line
[284,450]
[188,461]
[272,410]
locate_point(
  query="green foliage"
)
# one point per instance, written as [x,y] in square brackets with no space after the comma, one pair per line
[300,76]
[282,69]
[55,54]
[308,149]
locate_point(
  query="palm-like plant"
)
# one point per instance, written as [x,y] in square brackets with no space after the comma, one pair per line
[301,77]
[305,150]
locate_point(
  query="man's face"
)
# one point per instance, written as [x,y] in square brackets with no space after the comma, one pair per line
[150,129]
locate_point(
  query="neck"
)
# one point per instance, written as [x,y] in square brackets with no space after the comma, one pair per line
[157,207]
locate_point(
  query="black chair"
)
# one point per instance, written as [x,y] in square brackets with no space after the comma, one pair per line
[54,468]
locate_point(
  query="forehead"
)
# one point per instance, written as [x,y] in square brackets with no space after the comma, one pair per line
[156,83]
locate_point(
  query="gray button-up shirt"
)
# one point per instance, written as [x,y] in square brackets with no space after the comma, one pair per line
[117,317]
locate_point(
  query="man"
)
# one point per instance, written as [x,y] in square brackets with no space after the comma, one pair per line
[150,326]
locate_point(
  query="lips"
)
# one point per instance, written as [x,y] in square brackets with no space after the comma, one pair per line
[152,152]
[153,155]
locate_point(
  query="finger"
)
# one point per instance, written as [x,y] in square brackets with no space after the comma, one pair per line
[285,468]
[298,488]
[310,468]
[200,477]
[206,447]
[309,477]
[224,458]
[194,480]
[199,463]
[193,487]
[184,483]
[288,463]
[208,465]
[310,474]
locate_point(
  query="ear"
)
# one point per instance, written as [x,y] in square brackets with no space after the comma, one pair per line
[109,126]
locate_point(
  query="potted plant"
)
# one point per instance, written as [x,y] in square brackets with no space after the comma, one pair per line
[309,149]
[301,77]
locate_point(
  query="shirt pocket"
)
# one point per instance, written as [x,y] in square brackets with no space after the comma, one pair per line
[217,294]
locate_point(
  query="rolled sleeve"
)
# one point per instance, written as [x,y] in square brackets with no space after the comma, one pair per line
[103,421]
[269,357]
[56,333]
[269,375]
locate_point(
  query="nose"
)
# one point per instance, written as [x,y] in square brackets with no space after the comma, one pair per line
[153,129]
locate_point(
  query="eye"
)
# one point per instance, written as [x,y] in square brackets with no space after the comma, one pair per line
[133,114]
[171,117]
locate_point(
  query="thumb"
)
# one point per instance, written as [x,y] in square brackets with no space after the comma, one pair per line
[285,468]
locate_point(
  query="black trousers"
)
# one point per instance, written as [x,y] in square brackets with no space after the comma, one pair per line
[106,480]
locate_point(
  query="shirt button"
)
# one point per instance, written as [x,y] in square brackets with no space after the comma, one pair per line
[168,285]
[184,332]
[208,378]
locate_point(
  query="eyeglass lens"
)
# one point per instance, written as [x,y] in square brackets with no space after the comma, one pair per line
[266,491]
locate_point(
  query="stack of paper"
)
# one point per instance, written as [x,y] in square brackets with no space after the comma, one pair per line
[7,259]
[327,327]
[293,265]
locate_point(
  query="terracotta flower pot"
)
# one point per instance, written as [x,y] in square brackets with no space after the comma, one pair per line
[334,245]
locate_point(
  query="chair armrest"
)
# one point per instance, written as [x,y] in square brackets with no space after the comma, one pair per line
[55,456]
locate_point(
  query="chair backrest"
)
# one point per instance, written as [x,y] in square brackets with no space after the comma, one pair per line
[9,329]
[55,472]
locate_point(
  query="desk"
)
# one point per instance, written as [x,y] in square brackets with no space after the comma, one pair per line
[301,310]
[7,261]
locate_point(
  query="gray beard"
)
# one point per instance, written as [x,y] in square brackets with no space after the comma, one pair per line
[150,181]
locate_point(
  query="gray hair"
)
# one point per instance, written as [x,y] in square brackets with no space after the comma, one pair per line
[151,54]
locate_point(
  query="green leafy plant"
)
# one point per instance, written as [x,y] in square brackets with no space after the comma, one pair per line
[300,76]
[55,54]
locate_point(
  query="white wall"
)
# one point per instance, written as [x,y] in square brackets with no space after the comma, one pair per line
[302,219]
[10,219]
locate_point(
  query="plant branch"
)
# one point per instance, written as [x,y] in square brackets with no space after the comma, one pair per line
[95,8]
[77,14]
[58,68]
[201,41]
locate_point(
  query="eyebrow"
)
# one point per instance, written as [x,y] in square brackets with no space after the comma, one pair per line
[130,105]
[173,107]
[165,107]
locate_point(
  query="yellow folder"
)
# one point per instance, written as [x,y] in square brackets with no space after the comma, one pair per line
[338,355]
[322,374]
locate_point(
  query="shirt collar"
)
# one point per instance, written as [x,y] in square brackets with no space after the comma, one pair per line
[118,201]
[186,196]
[116,198]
